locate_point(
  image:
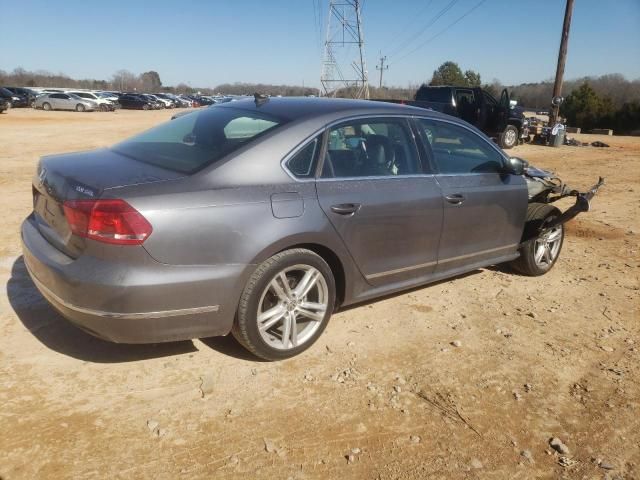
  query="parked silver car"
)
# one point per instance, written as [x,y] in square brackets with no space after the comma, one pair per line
[64,101]
[262,217]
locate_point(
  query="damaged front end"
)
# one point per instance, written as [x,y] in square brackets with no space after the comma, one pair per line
[546,187]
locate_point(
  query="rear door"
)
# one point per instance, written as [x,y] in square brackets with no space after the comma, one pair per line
[65,102]
[484,208]
[467,105]
[386,208]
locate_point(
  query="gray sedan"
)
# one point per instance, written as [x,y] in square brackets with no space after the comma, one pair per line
[261,218]
[64,101]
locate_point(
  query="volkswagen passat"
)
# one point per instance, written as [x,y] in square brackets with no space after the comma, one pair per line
[262,217]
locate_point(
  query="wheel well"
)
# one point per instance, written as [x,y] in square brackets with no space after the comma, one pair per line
[334,263]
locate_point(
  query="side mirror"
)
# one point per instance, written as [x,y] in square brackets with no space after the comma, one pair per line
[516,166]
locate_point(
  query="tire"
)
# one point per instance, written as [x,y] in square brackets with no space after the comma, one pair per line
[145,107]
[104,108]
[509,138]
[80,108]
[280,340]
[539,254]
[46,106]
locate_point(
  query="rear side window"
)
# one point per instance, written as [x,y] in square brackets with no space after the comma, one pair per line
[302,164]
[458,150]
[370,148]
[192,142]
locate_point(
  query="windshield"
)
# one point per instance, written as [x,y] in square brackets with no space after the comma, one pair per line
[192,142]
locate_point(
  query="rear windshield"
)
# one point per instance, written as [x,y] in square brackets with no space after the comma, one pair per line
[436,95]
[196,140]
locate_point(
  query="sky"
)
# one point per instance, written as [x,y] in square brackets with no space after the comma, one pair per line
[206,43]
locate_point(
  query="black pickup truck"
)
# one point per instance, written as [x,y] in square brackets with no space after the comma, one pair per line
[500,120]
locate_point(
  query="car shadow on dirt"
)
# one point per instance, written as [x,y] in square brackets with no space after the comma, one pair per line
[58,334]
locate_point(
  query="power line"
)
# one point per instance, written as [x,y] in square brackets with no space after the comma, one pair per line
[424,28]
[429,40]
[315,24]
[414,17]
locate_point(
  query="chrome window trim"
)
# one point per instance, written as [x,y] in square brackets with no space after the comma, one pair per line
[324,128]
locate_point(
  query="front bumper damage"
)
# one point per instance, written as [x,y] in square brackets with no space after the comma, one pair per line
[546,187]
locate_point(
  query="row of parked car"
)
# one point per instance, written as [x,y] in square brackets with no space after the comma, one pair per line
[85,100]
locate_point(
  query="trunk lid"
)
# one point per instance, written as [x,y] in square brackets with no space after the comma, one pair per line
[83,176]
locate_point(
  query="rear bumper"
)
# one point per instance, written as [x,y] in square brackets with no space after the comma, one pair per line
[134,302]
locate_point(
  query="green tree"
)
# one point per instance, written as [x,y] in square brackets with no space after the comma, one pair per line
[450,73]
[584,108]
[473,78]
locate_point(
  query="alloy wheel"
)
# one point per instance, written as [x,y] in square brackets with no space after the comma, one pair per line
[292,307]
[547,246]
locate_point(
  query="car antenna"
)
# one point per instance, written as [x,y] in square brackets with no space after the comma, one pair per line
[260,98]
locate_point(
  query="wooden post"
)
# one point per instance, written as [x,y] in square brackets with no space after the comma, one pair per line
[562,58]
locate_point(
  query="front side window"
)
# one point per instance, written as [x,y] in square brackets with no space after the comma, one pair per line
[370,148]
[456,149]
[302,164]
[194,141]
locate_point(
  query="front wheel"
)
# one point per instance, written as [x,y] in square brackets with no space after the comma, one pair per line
[46,106]
[80,108]
[539,254]
[509,138]
[286,305]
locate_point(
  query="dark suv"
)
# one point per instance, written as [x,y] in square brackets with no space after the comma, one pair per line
[499,120]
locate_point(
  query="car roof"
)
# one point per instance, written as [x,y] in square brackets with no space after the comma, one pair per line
[298,108]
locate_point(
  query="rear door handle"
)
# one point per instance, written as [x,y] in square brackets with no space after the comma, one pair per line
[345,208]
[455,198]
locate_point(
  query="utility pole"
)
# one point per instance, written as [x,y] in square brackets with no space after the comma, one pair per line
[382,67]
[562,58]
[344,29]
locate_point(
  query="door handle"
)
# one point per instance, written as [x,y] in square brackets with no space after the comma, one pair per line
[455,198]
[345,208]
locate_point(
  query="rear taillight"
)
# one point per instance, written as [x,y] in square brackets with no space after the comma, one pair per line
[108,221]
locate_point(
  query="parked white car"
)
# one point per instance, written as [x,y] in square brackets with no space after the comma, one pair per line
[64,101]
[102,103]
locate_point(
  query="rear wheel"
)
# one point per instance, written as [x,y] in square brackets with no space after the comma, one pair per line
[104,108]
[509,138]
[80,108]
[539,254]
[46,106]
[145,107]
[286,305]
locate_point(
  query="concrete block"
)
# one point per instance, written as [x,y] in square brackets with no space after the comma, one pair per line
[573,129]
[602,131]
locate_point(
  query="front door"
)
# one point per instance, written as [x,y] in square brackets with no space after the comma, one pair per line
[484,207]
[384,206]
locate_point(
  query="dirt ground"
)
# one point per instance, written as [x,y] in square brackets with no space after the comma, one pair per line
[555,356]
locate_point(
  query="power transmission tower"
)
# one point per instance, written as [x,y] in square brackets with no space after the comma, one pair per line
[339,69]
[562,58]
[382,67]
